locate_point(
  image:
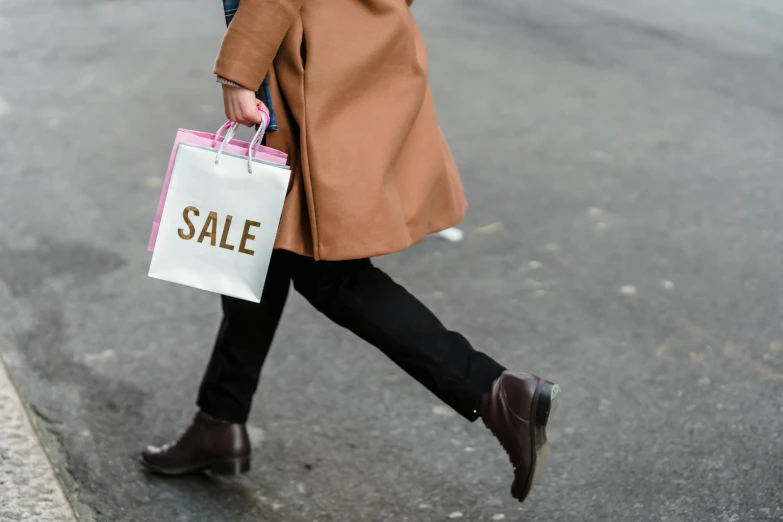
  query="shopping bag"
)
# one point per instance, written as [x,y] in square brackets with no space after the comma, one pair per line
[220,216]
[213,141]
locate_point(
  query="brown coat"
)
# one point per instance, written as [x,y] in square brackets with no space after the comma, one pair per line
[372,171]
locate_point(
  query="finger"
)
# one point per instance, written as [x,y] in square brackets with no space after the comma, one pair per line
[228,107]
[255,112]
[253,117]
[263,112]
[236,110]
[230,112]
[246,120]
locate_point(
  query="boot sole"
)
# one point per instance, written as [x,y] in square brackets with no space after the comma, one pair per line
[545,402]
[225,467]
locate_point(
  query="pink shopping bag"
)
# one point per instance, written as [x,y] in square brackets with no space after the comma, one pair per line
[213,141]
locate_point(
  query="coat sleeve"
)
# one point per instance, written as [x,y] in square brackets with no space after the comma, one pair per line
[253,39]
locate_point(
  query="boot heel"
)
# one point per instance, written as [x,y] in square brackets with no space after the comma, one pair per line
[231,467]
[548,398]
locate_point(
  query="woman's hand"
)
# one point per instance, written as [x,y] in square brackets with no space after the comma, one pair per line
[242,106]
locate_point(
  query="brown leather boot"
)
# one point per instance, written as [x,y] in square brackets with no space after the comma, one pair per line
[517,410]
[208,444]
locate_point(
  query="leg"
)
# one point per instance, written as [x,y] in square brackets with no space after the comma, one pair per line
[516,407]
[242,344]
[217,439]
[363,299]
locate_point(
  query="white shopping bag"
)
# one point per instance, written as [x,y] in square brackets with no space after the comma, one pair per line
[220,219]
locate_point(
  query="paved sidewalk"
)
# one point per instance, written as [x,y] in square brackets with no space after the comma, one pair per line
[29,490]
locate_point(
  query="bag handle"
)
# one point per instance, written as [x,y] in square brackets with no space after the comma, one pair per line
[220,131]
[255,143]
[230,128]
[226,126]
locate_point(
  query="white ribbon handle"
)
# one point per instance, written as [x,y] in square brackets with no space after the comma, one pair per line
[228,137]
[252,147]
[256,142]
[220,131]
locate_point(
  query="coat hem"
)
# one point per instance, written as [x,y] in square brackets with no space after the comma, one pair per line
[321,252]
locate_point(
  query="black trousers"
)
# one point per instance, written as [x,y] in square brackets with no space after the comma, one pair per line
[361,298]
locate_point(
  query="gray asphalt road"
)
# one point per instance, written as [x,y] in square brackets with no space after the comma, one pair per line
[625,239]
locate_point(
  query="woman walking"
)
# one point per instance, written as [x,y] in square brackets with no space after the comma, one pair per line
[372,175]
